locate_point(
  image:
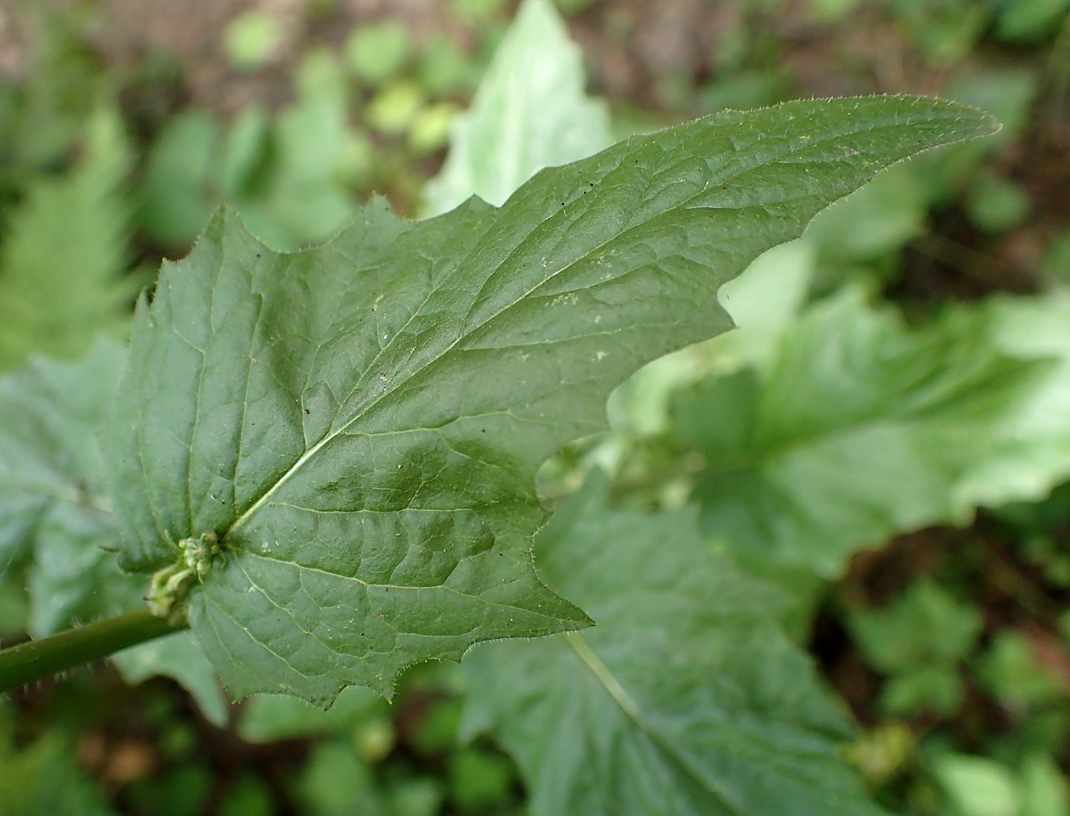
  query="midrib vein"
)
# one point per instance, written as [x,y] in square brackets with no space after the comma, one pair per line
[621,697]
[791,149]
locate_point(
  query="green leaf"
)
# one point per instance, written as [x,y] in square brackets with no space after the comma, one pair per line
[285,176]
[251,39]
[687,698]
[63,256]
[335,781]
[175,194]
[1010,672]
[530,112]
[1029,21]
[301,198]
[1042,787]
[179,657]
[360,424]
[55,515]
[376,52]
[927,625]
[50,473]
[977,786]
[935,690]
[861,428]
[881,218]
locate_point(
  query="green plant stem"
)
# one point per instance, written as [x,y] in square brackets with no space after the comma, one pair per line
[38,659]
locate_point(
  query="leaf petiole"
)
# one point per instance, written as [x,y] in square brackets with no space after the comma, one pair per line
[38,659]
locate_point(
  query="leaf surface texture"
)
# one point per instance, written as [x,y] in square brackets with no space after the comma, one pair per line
[360,423]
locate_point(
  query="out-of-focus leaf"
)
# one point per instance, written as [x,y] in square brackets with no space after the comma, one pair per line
[244,155]
[877,220]
[1010,672]
[530,112]
[300,197]
[43,778]
[252,38]
[286,177]
[919,642]
[65,252]
[49,461]
[395,108]
[763,302]
[927,625]
[55,518]
[1034,445]
[977,786]
[1029,20]
[996,204]
[860,428]
[176,192]
[687,698]
[1008,93]
[1043,788]
[945,29]
[376,52]
[480,781]
[269,717]
[337,782]
[180,657]
[1056,262]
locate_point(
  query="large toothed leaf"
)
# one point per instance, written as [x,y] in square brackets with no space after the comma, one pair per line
[361,423]
[530,112]
[686,699]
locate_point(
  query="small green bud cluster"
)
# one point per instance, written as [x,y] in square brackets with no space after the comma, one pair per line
[171,585]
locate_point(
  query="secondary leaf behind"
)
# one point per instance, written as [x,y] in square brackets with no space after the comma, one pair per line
[530,112]
[64,255]
[686,699]
[862,428]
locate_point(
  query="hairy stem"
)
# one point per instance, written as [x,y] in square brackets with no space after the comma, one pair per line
[38,659]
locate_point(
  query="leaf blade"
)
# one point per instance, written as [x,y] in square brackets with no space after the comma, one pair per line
[861,428]
[368,416]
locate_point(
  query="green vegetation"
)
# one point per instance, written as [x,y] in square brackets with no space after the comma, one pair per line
[825,552]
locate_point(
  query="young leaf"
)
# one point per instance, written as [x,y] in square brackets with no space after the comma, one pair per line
[862,428]
[919,643]
[54,514]
[360,424]
[687,698]
[530,112]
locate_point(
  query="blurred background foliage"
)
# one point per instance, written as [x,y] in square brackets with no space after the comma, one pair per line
[902,366]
